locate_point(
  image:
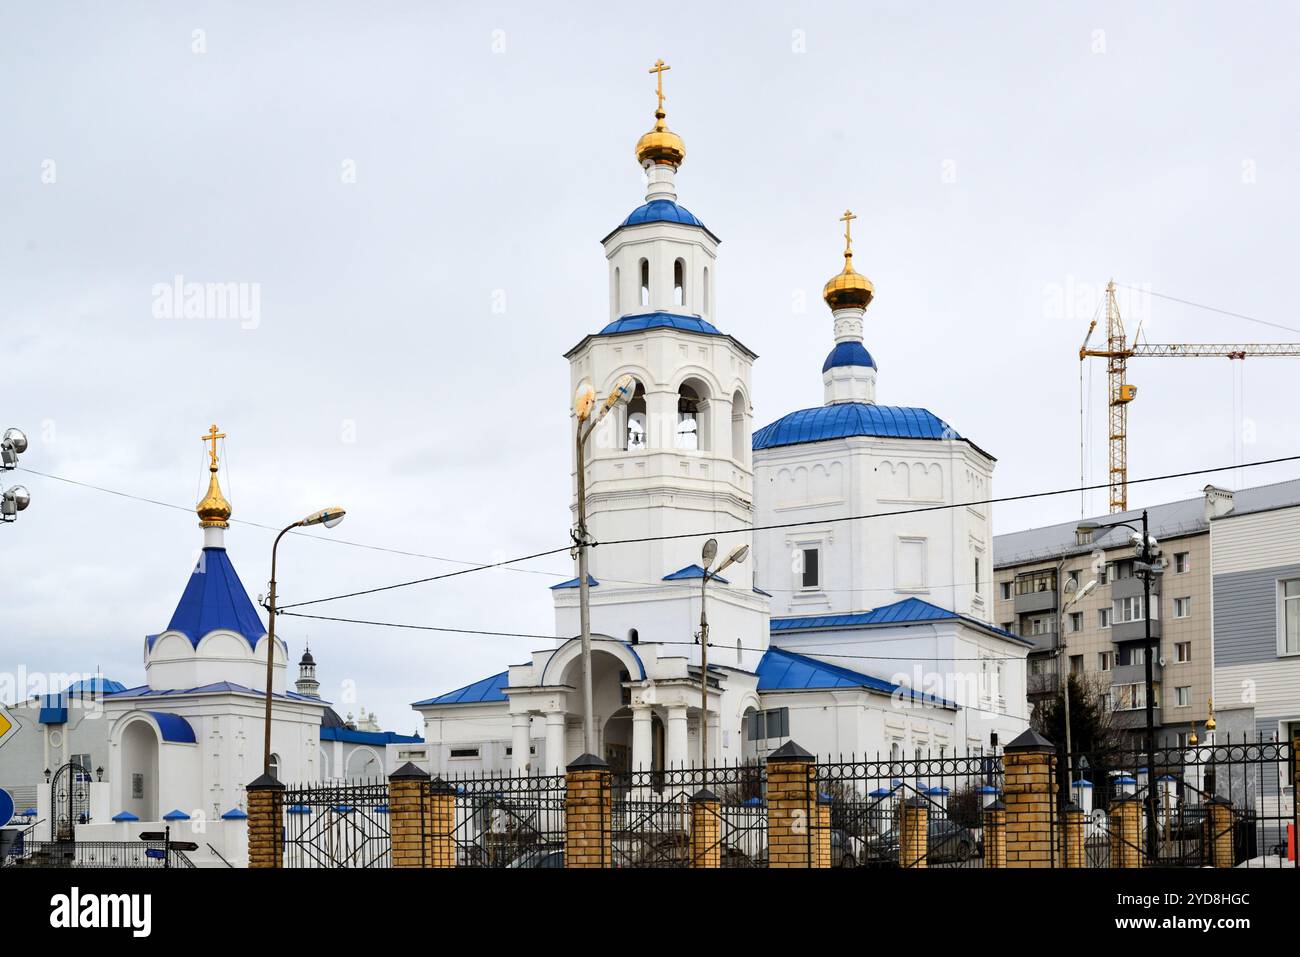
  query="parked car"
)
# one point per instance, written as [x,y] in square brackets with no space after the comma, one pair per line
[846,850]
[948,841]
[542,856]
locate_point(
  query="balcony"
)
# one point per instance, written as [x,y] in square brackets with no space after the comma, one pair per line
[1042,685]
[1043,641]
[1132,587]
[1125,631]
[1135,674]
[1135,719]
[1035,601]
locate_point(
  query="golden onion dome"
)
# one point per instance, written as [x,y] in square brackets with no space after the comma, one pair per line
[661,145]
[848,288]
[213,509]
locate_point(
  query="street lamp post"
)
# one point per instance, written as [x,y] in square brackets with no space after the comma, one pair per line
[584,403]
[1147,556]
[329,517]
[1063,677]
[708,554]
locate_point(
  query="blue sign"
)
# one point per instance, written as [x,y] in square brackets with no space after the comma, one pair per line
[6,807]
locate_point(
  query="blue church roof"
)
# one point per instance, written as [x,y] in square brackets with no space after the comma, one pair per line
[660,320]
[486,689]
[782,670]
[352,736]
[845,419]
[174,728]
[54,707]
[662,211]
[692,571]
[573,583]
[905,612]
[848,354]
[214,597]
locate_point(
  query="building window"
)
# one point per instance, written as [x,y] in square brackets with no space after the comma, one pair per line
[679,283]
[1076,664]
[1033,582]
[1073,574]
[1130,697]
[413,755]
[1076,621]
[977,574]
[1009,626]
[1105,660]
[1182,652]
[1006,590]
[1103,577]
[809,567]
[81,761]
[137,786]
[464,752]
[774,723]
[1103,617]
[645,282]
[1182,562]
[275,766]
[1130,609]
[705,298]
[1132,655]
[1182,607]
[636,420]
[691,402]
[1289,637]
[1183,696]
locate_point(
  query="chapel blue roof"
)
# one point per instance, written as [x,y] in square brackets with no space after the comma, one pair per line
[573,583]
[662,211]
[782,670]
[214,598]
[906,612]
[486,689]
[844,419]
[353,736]
[848,354]
[660,320]
[216,687]
[174,728]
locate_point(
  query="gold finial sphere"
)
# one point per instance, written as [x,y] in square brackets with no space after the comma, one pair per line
[848,288]
[661,146]
[213,509]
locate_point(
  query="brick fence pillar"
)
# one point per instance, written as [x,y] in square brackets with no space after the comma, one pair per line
[823,831]
[706,829]
[588,809]
[791,806]
[995,835]
[265,822]
[1029,764]
[913,832]
[1074,835]
[408,802]
[1219,823]
[1126,832]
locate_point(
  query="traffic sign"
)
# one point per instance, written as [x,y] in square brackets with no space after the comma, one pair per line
[154,836]
[8,725]
[183,846]
[6,807]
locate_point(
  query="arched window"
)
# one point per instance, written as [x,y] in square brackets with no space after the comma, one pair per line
[692,422]
[739,428]
[679,283]
[645,282]
[633,636]
[275,766]
[618,292]
[635,438]
[704,299]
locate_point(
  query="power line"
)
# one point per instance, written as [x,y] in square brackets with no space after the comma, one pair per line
[538,637]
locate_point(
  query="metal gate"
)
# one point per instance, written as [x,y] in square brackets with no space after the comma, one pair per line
[69,801]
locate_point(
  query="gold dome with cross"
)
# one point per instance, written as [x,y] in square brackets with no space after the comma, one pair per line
[661,145]
[848,288]
[213,509]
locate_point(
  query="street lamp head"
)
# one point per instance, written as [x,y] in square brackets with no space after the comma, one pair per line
[15,499]
[621,394]
[329,517]
[1087,589]
[584,400]
[709,552]
[736,557]
[14,439]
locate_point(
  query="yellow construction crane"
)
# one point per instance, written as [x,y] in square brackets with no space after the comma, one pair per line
[1118,352]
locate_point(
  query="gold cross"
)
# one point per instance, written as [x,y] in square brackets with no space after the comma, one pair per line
[212,437]
[659,68]
[847,220]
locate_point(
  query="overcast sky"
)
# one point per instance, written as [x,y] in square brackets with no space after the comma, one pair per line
[416,193]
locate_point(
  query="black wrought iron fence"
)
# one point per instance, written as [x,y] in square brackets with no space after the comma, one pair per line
[866,806]
[343,825]
[652,817]
[1227,803]
[104,854]
[508,821]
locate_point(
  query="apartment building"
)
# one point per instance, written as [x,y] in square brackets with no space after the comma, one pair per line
[1038,573]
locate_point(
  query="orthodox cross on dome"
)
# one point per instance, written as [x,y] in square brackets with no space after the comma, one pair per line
[847,220]
[658,69]
[212,436]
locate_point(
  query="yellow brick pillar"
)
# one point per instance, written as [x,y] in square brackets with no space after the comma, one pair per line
[1220,827]
[265,822]
[913,832]
[1074,835]
[1029,764]
[588,809]
[995,835]
[791,807]
[1126,832]
[706,829]
[823,831]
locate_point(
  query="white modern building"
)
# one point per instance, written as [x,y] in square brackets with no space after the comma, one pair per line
[881,641]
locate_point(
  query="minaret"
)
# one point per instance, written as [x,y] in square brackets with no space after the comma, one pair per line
[307,683]
[849,373]
[213,510]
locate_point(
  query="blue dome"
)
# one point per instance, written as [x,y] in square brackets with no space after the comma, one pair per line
[662,211]
[848,354]
[214,597]
[660,320]
[846,419]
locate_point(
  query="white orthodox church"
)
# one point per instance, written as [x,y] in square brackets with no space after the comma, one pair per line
[846,636]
